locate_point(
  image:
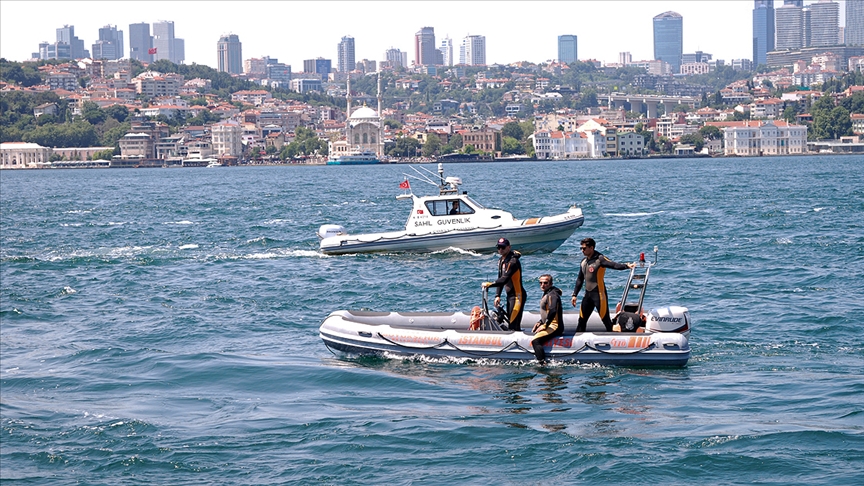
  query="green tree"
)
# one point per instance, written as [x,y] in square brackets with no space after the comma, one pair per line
[511,146]
[694,139]
[513,130]
[405,147]
[710,132]
[432,145]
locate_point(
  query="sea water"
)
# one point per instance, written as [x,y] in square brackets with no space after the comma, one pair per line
[161,326]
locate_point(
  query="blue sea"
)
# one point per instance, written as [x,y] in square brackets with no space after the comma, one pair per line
[160,326]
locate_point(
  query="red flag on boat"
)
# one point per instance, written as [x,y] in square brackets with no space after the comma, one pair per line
[152,50]
[405,184]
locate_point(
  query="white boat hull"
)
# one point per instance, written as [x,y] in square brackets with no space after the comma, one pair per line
[543,235]
[445,335]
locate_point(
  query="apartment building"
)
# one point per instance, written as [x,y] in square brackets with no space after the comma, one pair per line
[754,138]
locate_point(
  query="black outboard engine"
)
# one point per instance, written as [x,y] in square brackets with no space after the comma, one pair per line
[629,321]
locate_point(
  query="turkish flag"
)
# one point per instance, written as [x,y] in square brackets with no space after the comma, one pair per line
[405,184]
[152,50]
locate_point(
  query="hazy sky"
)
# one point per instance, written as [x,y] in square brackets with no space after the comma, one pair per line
[293,30]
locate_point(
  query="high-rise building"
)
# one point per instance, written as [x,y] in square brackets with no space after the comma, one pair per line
[230,53]
[166,45]
[345,60]
[854,31]
[140,42]
[66,35]
[624,58]
[110,43]
[789,27]
[669,39]
[567,49]
[794,3]
[424,47]
[394,57]
[447,51]
[763,30]
[824,23]
[475,50]
[318,66]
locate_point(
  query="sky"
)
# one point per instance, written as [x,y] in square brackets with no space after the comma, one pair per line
[291,31]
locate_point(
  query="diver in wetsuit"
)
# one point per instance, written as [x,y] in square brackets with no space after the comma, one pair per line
[591,273]
[551,323]
[510,280]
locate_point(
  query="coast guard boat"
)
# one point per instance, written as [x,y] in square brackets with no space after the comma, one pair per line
[656,337]
[450,219]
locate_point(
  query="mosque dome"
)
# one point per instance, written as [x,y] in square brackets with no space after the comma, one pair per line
[364,113]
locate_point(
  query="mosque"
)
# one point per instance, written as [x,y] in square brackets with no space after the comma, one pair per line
[363,130]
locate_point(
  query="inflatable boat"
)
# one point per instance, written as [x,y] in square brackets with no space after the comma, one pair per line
[453,220]
[656,337]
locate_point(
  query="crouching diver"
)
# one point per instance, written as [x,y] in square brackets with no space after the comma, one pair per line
[509,280]
[551,323]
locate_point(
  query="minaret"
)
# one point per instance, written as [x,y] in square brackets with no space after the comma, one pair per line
[348,97]
[379,148]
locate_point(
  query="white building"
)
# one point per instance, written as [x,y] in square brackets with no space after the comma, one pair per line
[764,138]
[555,144]
[474,50]
[227,138]
[631,143]
[23,155]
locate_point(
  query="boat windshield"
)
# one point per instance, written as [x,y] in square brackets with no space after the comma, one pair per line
[474,203]
[445,207]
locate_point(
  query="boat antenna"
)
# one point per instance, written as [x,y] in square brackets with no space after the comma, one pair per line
[422,177]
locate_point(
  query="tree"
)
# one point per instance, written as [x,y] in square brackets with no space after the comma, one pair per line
[432,145]
[512,129]
[710,132]
[694,139]
[405,147]
[511,146]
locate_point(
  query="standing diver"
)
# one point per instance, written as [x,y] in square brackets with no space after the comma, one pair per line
[591,272]
[510,280]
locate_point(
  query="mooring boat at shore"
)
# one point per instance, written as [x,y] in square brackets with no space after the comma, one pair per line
[453,220]
[657,337]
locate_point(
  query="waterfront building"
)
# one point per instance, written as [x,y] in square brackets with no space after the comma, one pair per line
[345,60]
[630,143]
[789,27]
[110,43]
[669,39]
[424,47]
[854,31]
[318,66]
[824,23]
[567,52]
[756,137]
[475,50]
[763,30]
[23,155]
[140,42]
[363,129]
[227,138]
[230,54]
[167,46]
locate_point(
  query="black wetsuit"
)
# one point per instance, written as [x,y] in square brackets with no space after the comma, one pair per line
[591,273]
[510,280]
[551,320]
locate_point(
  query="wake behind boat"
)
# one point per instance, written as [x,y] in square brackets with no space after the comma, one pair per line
[453,220]
[658,337]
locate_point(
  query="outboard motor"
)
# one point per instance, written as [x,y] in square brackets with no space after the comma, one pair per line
[669,319]
[328,230]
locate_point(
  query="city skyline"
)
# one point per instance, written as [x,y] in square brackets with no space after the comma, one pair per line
[599,40]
